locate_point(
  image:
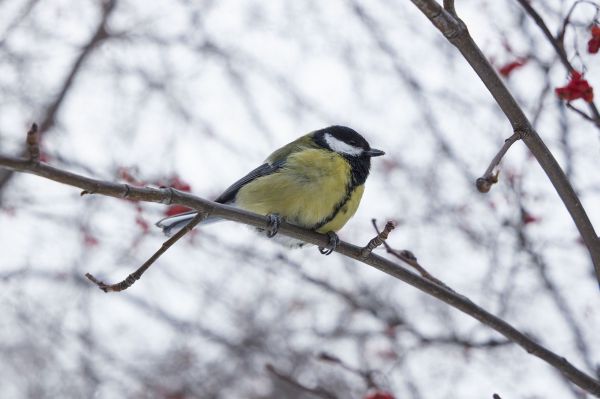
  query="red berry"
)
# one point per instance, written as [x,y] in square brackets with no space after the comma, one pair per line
[507,69]
[576,88]
[594,42]
[176,210]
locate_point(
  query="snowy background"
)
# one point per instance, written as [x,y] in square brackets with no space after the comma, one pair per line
[203,92]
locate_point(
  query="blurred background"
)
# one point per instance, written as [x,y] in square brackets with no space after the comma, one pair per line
[196,93]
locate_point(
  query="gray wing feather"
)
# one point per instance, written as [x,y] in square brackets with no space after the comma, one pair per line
[263,170]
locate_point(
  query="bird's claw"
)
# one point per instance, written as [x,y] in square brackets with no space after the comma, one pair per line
[273,223]
[334,241]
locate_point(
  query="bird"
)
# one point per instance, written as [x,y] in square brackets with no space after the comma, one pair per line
[315,182]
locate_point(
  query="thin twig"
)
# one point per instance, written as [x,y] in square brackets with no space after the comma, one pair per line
[539,21]
[318,391]
[409,258]
[485,182]
[133,277]
[560,37]
[33,143]
[378,240]
[580,112]
[367,375]
[396,270]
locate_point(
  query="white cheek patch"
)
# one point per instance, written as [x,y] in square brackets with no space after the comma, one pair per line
[341,147]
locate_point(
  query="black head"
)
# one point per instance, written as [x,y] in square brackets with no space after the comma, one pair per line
[352,146]
[345,141]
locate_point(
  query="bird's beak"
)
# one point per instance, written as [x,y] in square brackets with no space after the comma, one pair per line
[374,153]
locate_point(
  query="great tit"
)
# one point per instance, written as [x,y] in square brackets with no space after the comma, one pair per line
[315,182]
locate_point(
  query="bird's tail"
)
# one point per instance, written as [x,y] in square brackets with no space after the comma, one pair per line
[173,224]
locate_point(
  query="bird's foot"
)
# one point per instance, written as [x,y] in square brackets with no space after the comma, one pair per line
[334,241]
[273,224]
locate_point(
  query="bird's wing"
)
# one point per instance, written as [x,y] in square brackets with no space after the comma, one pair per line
[263,170]
[274,162]
[299,144]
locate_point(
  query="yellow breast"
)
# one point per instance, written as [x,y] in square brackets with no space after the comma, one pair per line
[310,190]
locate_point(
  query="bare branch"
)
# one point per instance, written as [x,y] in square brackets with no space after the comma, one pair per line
[367,375]
[456,32]
[441,292]
[485,182]
[409,258]
[558,47]
[133,277]
[580,112]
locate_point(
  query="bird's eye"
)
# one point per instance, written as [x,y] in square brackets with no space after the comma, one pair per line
[353,142]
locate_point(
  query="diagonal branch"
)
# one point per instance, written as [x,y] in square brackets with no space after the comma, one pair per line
[444,294]
[457,33]
[485,182]
[408,257]
[378,240]
[133,277]
[539,21]
[580,112]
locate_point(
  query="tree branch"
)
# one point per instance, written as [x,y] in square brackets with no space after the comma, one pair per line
[133,277]
[580,112]
[485,182]
[539,21]
[444,294]
[457,33]
[366,375]
[410,259]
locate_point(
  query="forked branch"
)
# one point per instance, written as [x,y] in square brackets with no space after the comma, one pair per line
[441,292]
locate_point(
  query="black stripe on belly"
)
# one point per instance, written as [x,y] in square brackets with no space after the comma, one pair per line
[359,171]
[337,208]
